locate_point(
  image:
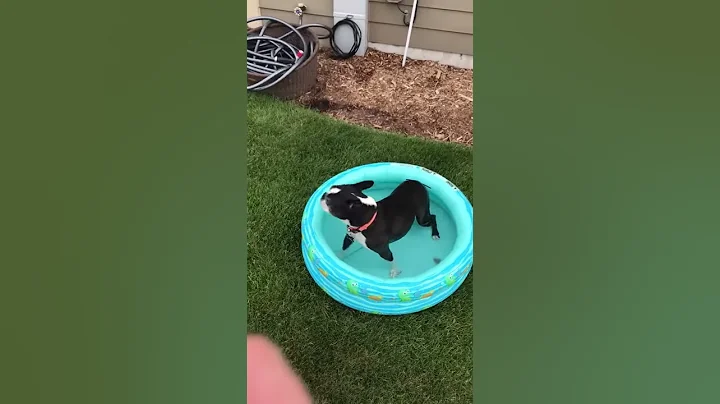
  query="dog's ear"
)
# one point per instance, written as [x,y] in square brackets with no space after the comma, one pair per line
[364,185]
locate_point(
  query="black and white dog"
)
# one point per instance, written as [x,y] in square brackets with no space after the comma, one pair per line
[377,224]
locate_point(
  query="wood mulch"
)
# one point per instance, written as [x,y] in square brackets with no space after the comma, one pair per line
[423,99]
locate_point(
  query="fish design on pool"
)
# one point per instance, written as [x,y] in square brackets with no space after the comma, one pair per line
[311,253]
[405,295]
[353,287]
[450,280]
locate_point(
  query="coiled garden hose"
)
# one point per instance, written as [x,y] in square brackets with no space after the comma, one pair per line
[357,38]
[276,58]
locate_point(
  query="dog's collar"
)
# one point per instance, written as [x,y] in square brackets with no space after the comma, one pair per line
[363,227]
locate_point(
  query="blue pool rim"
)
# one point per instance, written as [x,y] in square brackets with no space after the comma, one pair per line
[364,292]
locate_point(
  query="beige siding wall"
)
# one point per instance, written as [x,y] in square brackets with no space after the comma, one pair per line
[441,25]
[253,10]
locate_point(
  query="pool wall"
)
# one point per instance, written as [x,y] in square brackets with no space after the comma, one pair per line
[371,294]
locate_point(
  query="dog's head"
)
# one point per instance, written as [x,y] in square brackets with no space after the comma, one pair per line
[349,204]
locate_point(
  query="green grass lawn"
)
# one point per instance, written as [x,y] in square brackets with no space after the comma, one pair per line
[345,356]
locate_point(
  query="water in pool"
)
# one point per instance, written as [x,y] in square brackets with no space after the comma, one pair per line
[413,253]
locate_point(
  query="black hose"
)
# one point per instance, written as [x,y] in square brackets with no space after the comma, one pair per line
[357,38]
[275,58]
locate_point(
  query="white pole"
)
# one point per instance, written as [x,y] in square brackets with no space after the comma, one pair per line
[407,42]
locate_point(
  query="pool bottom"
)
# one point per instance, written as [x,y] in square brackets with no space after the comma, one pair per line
[414,254]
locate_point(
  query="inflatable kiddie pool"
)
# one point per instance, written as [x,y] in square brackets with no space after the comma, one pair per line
[360,279]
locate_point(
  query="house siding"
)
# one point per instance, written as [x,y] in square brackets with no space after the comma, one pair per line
[441,25]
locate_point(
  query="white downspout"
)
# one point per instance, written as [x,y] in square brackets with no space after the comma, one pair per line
[407,41]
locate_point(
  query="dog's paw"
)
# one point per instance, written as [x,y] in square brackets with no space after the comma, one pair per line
[395,272]
[436,237]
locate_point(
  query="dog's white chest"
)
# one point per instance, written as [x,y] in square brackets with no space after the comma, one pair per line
[358,237]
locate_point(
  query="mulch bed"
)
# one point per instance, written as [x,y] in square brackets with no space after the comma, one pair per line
[422,99]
